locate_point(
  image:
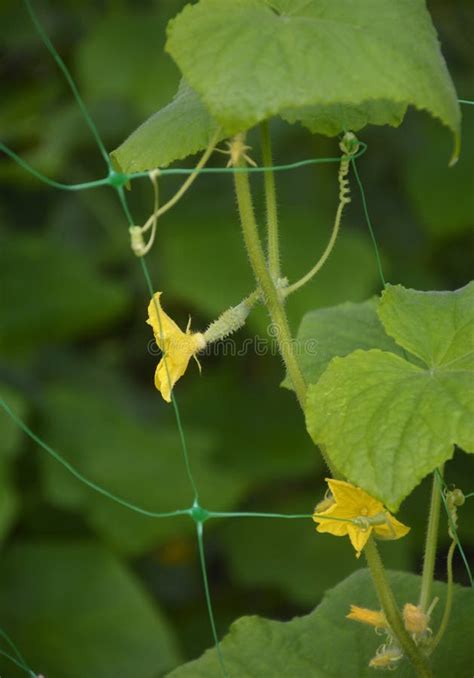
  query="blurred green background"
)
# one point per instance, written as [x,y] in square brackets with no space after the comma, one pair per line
[86,587]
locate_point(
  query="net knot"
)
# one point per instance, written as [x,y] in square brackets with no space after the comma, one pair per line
[199,514]
[117,179]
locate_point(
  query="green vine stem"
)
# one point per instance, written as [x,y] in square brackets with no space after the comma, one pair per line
[431,542]
[270,292]
[391,611]
[277,312]
[271,203]
[266,283]
[449,598]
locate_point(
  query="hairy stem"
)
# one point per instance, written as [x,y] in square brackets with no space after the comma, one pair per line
[271,204]
[391,611]
[267,284]
[431,542]
[273,301]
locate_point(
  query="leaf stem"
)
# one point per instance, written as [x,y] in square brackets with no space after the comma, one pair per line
[431,542]
[391,611]
[271,203]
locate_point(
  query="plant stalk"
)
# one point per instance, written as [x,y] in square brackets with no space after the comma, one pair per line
[429,557]
[271,203]
[275,305]
[449,599]
[267,284]
[391,611]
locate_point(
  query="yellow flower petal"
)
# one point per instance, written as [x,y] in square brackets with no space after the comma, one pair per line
[178,347]
[359,537]
[359,501]
[163,326]
[365,616]
[392,529]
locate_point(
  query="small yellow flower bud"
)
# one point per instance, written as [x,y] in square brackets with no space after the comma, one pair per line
[415,620]
[386,658]
[365,616]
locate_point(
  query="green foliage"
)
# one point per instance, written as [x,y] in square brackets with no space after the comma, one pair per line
[299,572]
[181,128]
[385,422]
[337,331]
[56,297]
[10,437]
[10,434]
[56,597]
[194,240]
[111,440]
[324,644]
[121,59]
[437,327]
[442,197]
[78,302]
[317,54]
[250,451]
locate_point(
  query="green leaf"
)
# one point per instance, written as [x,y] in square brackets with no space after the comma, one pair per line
[132,457]
[75,611]
[57,295]
[324,644]
[376,58]
[437,327]
[331,119]
[337,331]
[122,58]
[441,197]
[385,422]
[181,128]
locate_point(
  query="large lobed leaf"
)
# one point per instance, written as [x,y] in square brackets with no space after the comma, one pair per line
[324,644]
[337,331]
[386,422]
[76,611]
[332,65]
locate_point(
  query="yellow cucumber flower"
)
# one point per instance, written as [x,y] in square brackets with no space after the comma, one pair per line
[356,514]
[365,616]
[178,347]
